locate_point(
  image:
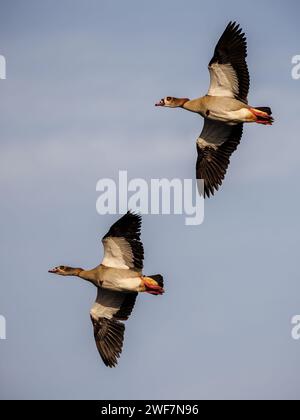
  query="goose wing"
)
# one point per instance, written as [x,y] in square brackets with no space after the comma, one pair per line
[106,313]
[122,245]
[215,145]
[229,75]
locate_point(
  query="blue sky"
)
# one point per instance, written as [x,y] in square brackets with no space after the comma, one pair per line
[77,106]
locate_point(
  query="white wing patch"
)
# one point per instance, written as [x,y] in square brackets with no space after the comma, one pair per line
[223,80]
[117,253]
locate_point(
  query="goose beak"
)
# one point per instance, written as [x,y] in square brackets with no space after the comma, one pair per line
[53,270]
[160,103]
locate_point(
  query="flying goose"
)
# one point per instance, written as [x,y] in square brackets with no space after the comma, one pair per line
[118,279]
[224,109]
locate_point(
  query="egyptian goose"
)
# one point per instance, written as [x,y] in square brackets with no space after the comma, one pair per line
[118,279]
[224,109]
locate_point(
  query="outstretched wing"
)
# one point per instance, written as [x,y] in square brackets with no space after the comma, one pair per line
[215,145]
[107,312]
[122,245]
[229,75]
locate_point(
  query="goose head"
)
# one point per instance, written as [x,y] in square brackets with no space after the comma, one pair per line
[63,270]
[171,102]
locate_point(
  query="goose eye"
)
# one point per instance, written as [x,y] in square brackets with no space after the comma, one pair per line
[168,98]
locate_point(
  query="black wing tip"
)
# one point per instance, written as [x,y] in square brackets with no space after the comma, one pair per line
[233,25]
[127,225]
[209,191]
[233,38]
[235,30]
[110,363]
[131,216]
[109,337]
[205,188]
[135,215]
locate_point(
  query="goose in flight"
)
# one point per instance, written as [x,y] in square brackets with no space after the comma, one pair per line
[224,109]
[118,279]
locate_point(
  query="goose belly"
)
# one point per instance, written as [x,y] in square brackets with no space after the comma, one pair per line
[228,110]
[122,285]
[232,117]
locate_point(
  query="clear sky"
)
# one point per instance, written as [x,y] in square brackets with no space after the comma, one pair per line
[77,106]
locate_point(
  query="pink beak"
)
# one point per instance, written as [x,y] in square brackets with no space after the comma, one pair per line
[160,103]
[54,270]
